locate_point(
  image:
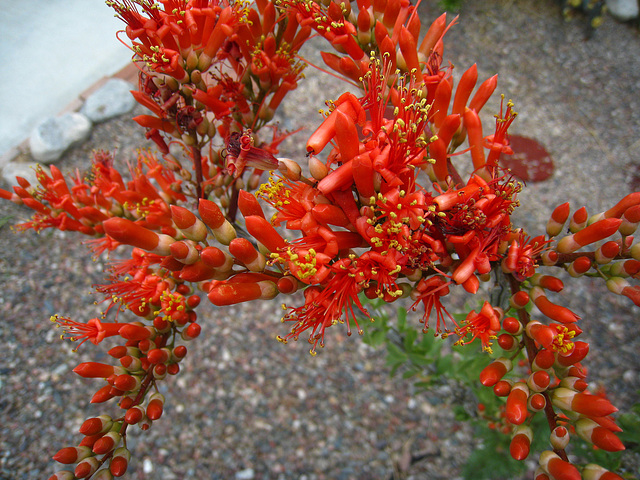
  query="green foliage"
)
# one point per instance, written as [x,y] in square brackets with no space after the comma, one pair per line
[429,361]
[450,5]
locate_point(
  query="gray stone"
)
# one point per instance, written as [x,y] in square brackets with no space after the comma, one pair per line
[623,10]
[112,99]
[54,135]
[19,169]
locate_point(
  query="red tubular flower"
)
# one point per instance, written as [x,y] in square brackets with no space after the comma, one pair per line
[593,233]
[248,204]
[551,310]
[94,330]
[190,226]
[482,325]
[484,92]
[464,89]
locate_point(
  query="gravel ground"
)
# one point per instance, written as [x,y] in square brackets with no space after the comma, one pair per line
[245,406]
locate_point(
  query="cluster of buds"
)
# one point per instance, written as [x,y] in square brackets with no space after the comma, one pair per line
[384,213]
[208,69]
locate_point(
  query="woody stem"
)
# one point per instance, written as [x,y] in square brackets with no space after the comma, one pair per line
[197,163]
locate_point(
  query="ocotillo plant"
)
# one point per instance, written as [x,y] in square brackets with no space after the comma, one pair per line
[381,210]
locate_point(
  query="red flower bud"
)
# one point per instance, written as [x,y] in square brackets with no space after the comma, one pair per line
[599,436]
[559,438]
[516,407]
[558,468]
[493,372]
[155,407]
[107,443]
[71,455]
[521,442]
[129,233]
[95,425]
[94,370]
[592,471]
[582,402]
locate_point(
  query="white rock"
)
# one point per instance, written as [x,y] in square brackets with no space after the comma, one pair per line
[19,169]
[246,474]
[112,99]
[54,135]
[623,10]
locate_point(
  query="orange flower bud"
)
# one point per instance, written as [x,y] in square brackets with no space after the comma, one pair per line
[607,252]
[127,383]
[558,219]
[119,462]
[592,471]
[521,442]
[129,233]
[593,233]
[107,443]
[71,455]
[94,370]
[536,402]
[543,334]
[473,126]
[574,383]
[155,407]
[578,220]
[579,266]
[538,381]
[222,293]
[102,395]
[558,468]
[95,425]
[245,253]
[495,371]
[86,467]
[559,438]
[582,402]
[516,408]
[548,282]
[512,325]
[248,204]
[190,226]
[543,360]
[134,414]
[484,92]
[599,436]
[214,218]
[551,310]
[464,89]
[263,232]
[519,299]
[502,388]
